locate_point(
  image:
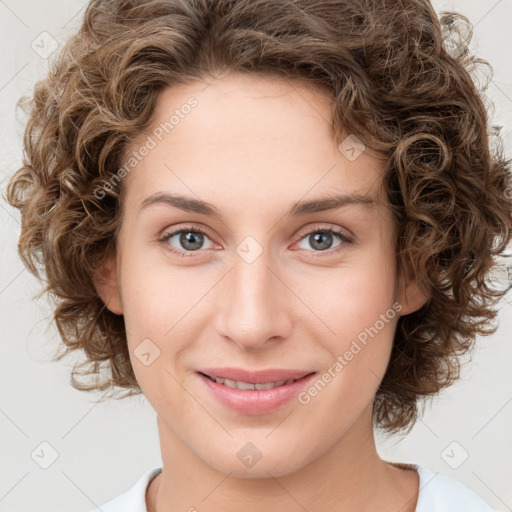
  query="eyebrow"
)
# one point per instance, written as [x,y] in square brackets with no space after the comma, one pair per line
[298,209]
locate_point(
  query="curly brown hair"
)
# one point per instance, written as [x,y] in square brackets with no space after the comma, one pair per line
[394,83]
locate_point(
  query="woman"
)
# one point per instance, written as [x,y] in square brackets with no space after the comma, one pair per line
[274,219]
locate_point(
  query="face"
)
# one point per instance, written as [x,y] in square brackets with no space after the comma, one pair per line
[257,275]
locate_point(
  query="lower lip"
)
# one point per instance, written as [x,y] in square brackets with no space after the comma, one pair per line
[255,401]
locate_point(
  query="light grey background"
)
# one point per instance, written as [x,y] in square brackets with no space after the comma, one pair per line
[102,449]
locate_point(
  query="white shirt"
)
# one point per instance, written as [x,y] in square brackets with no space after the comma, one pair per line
[437,493]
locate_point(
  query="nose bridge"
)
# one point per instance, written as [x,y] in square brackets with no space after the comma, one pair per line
[253,309]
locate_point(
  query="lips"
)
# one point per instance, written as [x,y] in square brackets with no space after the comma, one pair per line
[254,393]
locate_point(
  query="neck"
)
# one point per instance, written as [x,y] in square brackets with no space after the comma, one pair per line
[349,476]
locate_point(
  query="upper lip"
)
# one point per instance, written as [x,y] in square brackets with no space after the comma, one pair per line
[255,377]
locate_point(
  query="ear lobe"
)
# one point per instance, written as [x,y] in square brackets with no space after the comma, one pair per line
[105,282]
[410,296]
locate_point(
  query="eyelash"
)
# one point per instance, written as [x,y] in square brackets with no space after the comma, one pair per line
[187,254]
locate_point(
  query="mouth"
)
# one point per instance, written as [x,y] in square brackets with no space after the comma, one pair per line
[254,393]
[238,384]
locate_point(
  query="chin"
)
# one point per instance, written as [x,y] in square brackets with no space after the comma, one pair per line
[274,463]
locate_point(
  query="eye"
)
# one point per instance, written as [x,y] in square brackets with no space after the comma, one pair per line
[189,240]
[321,240]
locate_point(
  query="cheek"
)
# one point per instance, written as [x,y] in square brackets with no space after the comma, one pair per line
[153,295]
[156,327]
[352,298]
[162,316]
[361,314]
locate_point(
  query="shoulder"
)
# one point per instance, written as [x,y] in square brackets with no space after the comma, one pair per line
[132,500]
[441,493]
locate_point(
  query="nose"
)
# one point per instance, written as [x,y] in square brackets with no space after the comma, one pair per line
[254,304]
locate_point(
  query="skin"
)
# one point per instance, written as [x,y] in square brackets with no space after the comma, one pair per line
[252,147]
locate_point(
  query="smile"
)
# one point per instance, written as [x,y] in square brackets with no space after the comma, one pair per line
[236,384]
[254,393]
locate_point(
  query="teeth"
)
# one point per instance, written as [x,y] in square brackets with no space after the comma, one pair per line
[235,384]
[238,385]
[268,385]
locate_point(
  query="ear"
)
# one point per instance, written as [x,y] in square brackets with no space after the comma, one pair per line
[409,293]
[106,284]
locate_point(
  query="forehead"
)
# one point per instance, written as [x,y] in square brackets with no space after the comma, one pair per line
[241,134]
